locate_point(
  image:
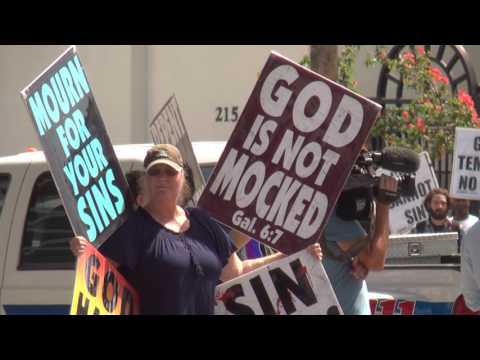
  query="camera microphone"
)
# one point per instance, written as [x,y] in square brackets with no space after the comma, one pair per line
[397,159]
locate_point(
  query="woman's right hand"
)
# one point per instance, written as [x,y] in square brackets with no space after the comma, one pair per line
[77,245]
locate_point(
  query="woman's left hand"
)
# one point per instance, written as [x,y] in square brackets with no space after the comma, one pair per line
[316,251]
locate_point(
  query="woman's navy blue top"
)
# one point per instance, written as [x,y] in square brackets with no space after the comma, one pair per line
[173,273]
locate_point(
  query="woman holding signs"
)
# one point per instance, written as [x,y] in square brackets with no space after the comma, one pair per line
[175,257]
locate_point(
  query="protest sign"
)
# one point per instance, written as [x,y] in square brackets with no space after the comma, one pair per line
[289,156]
[100,289]
[81,158]
[408,211]
[296,285]
[168,128]
[465,182]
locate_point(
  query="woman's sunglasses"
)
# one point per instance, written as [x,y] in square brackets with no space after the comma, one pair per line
[164,170]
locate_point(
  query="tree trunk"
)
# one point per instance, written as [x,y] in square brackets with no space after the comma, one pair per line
[324,59]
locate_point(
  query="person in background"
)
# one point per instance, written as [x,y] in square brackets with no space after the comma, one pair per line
[469,301]
[462,217]
[437,203]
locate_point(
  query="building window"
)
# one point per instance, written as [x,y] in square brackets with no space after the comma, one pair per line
[47,231]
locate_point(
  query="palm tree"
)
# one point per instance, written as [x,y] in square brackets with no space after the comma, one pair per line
[323,60]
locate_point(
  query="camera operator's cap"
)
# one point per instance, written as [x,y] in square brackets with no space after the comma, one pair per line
[163,154]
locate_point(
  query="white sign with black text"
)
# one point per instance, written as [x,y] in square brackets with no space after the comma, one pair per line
[295,285]
[466,164]
[406,212]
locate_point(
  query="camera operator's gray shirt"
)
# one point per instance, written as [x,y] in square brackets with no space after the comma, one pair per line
[351,293]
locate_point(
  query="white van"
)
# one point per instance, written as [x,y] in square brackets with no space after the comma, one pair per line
[36,265]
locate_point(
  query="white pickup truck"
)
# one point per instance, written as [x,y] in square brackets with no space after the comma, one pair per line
[37,267]
[416,289]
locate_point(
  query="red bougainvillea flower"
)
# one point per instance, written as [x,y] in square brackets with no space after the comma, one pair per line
[475,118]
[410,126]
[421,124]
[466,99]
[421,50]
[405,115]
[436,74]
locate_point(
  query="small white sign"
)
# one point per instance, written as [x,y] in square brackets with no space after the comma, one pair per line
[465,183]
[295,285]
[407,212]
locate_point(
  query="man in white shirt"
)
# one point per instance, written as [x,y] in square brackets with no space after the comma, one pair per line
[470,277]
[461,216]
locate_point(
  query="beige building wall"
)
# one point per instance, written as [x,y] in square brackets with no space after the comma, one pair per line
[131,83]
[109,73]
[208,79]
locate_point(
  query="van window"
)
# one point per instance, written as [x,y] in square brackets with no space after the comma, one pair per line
[4,181]
[47,231]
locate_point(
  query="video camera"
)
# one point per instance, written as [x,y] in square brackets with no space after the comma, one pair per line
[355,201]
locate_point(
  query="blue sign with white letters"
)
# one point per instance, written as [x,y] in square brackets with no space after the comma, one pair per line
[80,155]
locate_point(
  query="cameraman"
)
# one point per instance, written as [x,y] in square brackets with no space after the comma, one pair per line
[350,253]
